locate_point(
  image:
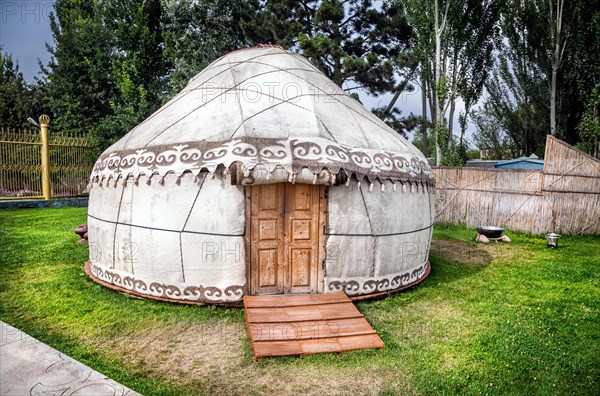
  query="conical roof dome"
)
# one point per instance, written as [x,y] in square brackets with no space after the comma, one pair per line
[263,106]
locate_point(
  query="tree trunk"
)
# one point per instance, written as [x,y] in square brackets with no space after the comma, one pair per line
[451,121]
[556,32]
[424,141]
[438,72]
[452,99]
[433,111]
[401,88]
[337,72]
[440,27]
[553,101]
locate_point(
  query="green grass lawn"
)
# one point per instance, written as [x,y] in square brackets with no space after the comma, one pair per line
[515,318]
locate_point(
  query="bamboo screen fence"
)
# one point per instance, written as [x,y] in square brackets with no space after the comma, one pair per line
[564,197]
[70,157]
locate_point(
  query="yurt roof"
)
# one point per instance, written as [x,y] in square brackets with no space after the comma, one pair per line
[263,106]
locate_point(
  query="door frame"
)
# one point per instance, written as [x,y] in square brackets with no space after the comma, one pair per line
[322,238]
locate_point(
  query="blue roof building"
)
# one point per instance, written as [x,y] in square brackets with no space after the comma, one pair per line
[530,163]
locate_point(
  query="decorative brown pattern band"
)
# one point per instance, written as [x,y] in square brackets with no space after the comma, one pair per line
[292,155]
[388,283]
[198,294]
[232,295]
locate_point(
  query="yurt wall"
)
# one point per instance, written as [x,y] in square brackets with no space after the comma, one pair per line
[376,224]
[184,233]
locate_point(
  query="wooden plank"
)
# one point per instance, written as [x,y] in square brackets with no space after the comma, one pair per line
[261,332]
[366,341]
[303,313]
[277,301]
[281,301]
[322,345]
[299,325]
[303,347]
[339,311]
[282,348]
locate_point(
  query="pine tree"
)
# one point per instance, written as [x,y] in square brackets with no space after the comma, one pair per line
[198,32]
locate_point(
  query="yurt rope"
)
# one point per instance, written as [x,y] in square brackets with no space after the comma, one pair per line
[243,234]
[382,235]
[374,241]
[186,222]
[164,229]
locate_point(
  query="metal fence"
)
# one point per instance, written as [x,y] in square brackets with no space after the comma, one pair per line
[40,164]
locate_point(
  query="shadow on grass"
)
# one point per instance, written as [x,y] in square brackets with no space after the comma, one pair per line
[454,259]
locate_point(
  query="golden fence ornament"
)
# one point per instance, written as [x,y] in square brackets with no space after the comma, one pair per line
[45,155]
[41,164]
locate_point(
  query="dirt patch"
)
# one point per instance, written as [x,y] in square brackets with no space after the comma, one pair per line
[170,350]
[215,358]
[464,252]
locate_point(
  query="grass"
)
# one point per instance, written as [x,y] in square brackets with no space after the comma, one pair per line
[515,318]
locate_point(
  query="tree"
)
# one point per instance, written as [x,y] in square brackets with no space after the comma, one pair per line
[138,67]
[518,94]
[16,97]
[479,37]
[358,44]
[440,28]
[106,73]
[355,43]
[517,98]
[455,41]
[589,127]
[558,43]
[402,125]
[547,71]
[198,32]
[579,75]
[77,79]
[490,134]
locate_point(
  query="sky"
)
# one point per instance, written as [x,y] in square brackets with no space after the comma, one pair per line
[25,30]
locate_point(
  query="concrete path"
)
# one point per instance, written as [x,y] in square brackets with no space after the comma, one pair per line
[30,367]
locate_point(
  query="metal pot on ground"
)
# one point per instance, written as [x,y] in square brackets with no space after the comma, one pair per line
[490,231]
[552,240]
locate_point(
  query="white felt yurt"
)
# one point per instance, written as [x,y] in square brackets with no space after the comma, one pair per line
[260,177]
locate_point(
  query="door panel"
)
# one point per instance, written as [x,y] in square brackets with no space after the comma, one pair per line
[284,238]
[302,232]
[268,229]
[266,244]
[301,229]
[267,264]
[301,276]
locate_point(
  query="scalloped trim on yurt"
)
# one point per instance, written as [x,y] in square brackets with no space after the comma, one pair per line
[268,155]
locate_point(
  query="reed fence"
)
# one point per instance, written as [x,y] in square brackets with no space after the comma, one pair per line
[564,197]
[39,164]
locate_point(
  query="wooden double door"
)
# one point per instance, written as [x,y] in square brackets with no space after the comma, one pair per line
[285,234]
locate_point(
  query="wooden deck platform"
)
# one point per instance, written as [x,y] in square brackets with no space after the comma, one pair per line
[303,324]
